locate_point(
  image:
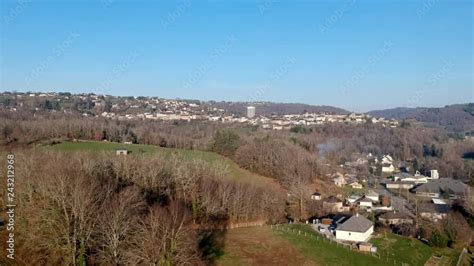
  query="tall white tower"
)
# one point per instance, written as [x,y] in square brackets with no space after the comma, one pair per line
[250,111]
[434,174]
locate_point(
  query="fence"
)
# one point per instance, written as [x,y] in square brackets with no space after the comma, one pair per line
[318,237]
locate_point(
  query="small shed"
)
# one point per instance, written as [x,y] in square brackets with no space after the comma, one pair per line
[326,221]
[121,151]
[365,247]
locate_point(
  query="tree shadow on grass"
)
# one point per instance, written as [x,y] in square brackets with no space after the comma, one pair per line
[212,239]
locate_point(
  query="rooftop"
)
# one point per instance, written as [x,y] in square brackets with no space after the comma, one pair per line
[443,185]
[433,208]
[395,215]
[356,223]
[332,199]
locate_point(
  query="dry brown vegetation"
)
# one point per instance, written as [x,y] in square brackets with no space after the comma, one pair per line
[126,210]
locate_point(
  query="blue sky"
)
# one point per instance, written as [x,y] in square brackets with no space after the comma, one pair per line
[359,55]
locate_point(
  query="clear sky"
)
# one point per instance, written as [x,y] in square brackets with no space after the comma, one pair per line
[359,55]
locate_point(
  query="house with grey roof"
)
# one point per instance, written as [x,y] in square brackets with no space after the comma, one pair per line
[433,212]
[443,188]
[355,229]
[395,218]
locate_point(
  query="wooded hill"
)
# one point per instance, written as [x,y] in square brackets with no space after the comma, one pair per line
[458,118]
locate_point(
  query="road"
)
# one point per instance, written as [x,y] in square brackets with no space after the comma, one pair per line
[398,203]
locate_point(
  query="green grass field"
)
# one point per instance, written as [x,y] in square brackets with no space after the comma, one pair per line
[236,172]
[323,252]
[411,251]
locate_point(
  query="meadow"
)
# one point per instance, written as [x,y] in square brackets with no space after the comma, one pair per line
[235,172]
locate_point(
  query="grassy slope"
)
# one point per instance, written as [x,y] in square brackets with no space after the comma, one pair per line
[236,172]
[323,252]
[265,246]
[409,250]
[262,245]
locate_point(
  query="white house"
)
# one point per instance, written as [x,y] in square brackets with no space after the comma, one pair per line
[387,159]
[316,196]
[355,185]
[339,180]
[406,177]
[355,229]
[388,168]
[353,198]
[367,203]
[372,195]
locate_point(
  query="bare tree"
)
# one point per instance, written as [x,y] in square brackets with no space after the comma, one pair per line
[117,217]
[164,237]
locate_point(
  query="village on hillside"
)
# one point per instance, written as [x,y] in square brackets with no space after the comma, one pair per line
[392,198]
[154,108]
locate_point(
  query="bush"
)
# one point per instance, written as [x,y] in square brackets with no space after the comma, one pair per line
[437,239]
[300,129]
[225,143]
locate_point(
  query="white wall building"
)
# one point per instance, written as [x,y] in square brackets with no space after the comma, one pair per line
[434,174]
[250,111]
[355,229]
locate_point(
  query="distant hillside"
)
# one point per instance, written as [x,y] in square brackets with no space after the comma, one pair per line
[459,117]
[268,108]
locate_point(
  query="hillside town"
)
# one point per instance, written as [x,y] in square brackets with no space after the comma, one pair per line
[154,108]
[397,198]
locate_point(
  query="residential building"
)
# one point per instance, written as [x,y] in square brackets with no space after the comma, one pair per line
[339,180]
[316,196]
[388,168]
[433,212]
[355,229]
[399,185]
[395,218]
[443,188]
[366,203]
[372,195]
[355,185]
[332,204]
